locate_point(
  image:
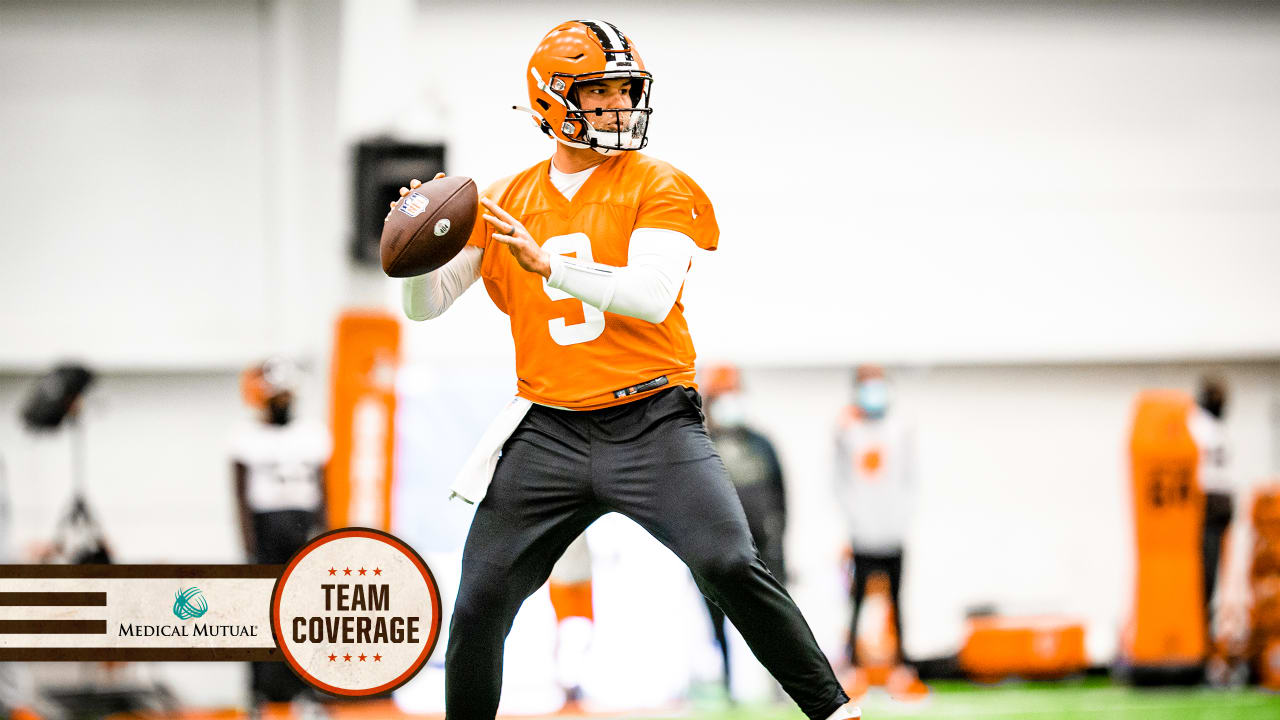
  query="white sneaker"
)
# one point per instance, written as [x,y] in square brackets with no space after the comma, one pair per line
[847,711]
[307,708]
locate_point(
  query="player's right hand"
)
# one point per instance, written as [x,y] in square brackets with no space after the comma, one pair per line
[412,184]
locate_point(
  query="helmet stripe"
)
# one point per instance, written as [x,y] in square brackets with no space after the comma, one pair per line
[605,41]
[610,37]
[622,39]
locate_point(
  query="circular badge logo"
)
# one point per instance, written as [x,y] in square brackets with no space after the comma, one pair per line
[356,612]
[442,226]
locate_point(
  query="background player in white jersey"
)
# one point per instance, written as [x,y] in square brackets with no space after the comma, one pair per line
[1207,430]
[874,467]
[278,468]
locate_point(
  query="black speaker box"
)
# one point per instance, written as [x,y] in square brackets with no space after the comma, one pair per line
[383,166]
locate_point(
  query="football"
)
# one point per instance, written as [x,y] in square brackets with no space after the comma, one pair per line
[427,227]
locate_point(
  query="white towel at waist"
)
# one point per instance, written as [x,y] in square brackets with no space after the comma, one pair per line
[472,481]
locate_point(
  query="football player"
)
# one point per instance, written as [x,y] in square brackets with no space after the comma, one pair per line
[874,478]
[753,468]
[586,252]
[278,469]
[571,592]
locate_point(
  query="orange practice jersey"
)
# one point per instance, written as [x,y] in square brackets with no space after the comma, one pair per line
[568,353]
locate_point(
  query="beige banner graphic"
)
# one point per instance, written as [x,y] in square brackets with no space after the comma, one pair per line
[137,612]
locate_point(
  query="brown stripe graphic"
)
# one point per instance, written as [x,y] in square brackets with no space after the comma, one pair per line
[13,630]
[53,627]
[141,571]
[141,654]
[49,599]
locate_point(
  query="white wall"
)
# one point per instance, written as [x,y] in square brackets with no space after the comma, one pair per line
[232,104]
[945,184]
[172,191]
[134,191]
[172,208]
[1103,181]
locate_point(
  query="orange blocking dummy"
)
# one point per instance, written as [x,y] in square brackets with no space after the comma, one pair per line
[366,352]
[1167,627]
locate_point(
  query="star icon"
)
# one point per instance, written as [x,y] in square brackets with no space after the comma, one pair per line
[347,657]
[361,571]
[333,658]
[362,657]
[377,571]
[333,571]
[377,658]
[346,571]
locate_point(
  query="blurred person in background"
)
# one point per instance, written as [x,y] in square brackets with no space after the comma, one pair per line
[571,598]
[1216,481]
[278,466]
[873,477]
[752,463]
[18,696]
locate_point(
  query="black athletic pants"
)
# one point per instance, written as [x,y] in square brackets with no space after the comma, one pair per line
[1217,517]
[278,535]
[652,461]
[865,564]
[770,546]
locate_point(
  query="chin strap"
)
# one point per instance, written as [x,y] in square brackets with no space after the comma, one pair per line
[546,128]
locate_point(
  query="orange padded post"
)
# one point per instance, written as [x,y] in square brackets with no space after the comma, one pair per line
[1264,577]
[1167,627]
[366,351]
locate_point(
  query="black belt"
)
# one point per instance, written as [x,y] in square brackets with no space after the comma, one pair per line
[642,387]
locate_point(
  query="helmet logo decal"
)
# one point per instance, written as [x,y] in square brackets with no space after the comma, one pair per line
[558,85]
[567,128]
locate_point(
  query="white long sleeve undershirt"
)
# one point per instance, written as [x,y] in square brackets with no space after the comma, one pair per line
[428,296]
[645,288]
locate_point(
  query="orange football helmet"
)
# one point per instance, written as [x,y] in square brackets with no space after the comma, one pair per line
[259,383]
[719,379]
[868,371]
[581,51]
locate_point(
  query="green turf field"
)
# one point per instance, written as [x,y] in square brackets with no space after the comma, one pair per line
[1094,699]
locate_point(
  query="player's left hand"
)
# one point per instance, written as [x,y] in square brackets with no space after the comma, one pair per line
[517,239]
[413,184]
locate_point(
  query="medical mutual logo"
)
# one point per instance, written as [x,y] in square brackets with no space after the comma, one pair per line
[189,603]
